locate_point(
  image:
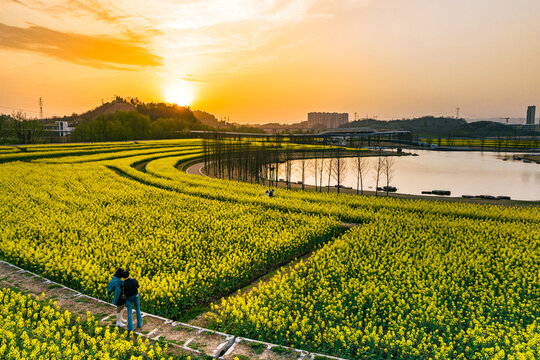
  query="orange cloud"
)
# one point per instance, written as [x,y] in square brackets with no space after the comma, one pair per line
[98,51]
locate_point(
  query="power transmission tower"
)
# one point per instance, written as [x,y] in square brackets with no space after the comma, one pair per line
[40,108]
[457,112]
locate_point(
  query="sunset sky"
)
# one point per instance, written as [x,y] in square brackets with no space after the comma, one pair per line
[261,61]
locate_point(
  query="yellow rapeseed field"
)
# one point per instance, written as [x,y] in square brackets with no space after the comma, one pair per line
[32,329]
[406,288]
[415,280]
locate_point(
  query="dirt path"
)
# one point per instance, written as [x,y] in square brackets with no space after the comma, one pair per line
[182,339]
[253,288]
[196,169]
[178,336]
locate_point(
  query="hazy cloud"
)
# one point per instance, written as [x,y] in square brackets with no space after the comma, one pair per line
[189,77]
[97,51]
[100,9]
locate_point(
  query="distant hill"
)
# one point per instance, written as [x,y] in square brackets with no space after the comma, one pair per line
[106,108]
[209,119]
[443,127]
[182,117]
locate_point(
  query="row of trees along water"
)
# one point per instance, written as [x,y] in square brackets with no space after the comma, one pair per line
[268,163]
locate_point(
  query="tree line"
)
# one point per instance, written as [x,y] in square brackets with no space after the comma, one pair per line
[133,125]
[17,128]
[121,119]
[269,163]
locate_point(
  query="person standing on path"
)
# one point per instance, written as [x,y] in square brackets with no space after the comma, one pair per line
[131,287]
[115,286]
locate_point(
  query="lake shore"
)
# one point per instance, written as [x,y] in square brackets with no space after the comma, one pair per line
[196,168]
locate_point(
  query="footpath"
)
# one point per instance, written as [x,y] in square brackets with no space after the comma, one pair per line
[182,339]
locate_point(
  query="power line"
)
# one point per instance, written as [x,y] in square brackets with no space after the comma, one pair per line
[26,110]
[40,108]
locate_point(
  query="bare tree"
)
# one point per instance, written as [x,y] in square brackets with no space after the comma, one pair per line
[288,173]
[388,171]
[329,172]
[316,174]
[321,174]
[321,170]
[378,170]
[361,167]
[308,170]
[27,131]
[303,167]
[339,170]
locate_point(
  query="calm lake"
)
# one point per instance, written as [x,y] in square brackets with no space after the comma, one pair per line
[461,172]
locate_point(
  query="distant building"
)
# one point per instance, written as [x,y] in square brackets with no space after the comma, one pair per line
[327,120]
[531,113]
[59,128]
[526,127]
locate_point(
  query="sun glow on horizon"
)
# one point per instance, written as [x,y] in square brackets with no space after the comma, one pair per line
[179,93]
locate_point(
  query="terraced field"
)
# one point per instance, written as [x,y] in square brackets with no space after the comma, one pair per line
[36,329]
[417,279]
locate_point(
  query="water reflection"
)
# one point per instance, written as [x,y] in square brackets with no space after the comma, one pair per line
[463,173]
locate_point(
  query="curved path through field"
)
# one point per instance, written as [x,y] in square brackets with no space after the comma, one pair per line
[196,169]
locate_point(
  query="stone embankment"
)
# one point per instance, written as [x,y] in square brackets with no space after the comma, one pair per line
[182,338]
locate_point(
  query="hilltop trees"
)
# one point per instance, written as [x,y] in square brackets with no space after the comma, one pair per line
[132,125]
[119,126]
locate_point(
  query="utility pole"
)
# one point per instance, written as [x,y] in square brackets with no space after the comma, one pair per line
[41,108]
[457,112]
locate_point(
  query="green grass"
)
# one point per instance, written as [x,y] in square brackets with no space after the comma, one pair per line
[280,350]
[257,348]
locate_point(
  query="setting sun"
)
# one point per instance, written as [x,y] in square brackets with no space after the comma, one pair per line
[179,93]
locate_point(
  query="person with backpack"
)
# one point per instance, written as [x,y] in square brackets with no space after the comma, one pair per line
[115,286]
[131,290]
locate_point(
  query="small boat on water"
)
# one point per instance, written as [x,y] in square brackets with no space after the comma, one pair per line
[441,192]
[487,197]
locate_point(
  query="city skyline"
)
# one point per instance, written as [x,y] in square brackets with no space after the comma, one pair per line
[272,60]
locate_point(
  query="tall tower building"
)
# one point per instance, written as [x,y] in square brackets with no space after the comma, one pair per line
[531,113]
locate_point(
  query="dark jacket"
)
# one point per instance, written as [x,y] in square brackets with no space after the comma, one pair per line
[131,287]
